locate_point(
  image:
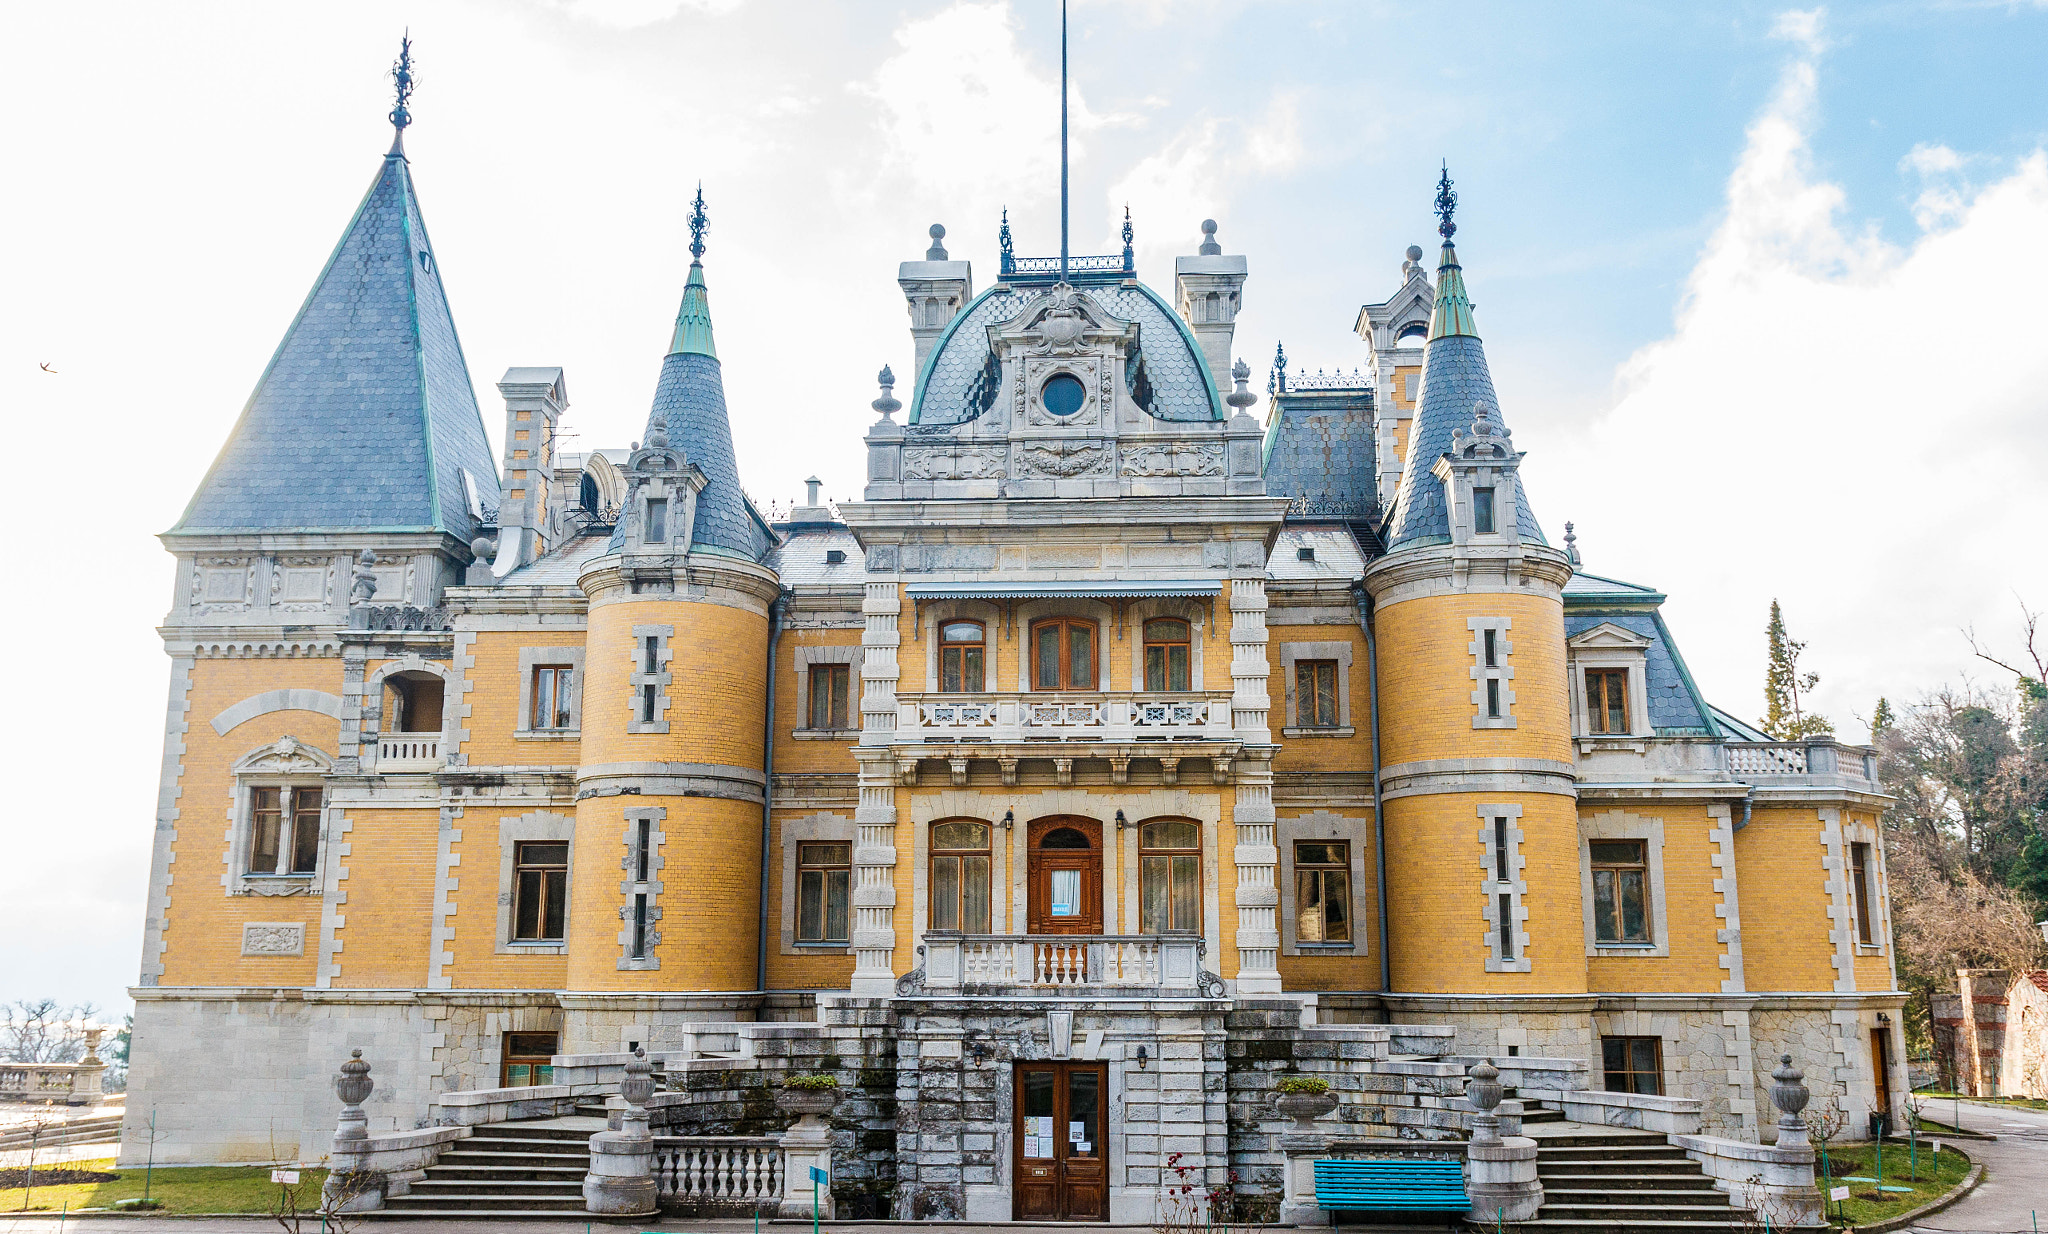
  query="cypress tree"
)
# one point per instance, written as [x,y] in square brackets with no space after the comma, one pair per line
[1784,683]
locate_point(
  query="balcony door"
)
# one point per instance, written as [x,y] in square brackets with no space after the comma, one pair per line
[1059,1159]
[1065,885]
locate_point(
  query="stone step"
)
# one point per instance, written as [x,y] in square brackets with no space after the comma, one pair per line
[513,1160]
[457,1214]
[1581,1181]
[506,1186]
[1627,1165]
[1633,1212]
[442,1171]
[528,1131]
[1634,1152]
[1685,1197]
[468,1203]
[1631,1225]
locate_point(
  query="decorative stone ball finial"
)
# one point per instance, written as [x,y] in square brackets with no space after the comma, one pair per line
[1209,246]
[638,1086]
[1411,267]
[937,252]
[888,404]
[1242,397]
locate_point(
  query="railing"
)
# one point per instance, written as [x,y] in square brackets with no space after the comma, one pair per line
[1800,758]
[1063,717]
[409,752]
[64,1083]
[706,1173]
[1152,961]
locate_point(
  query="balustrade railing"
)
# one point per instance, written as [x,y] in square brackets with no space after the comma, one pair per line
[703,1172]
[409,752]
[63,1083]
[1800,758]
[1029,716]
[1151,961]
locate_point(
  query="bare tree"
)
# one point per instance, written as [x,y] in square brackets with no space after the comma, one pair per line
[41,1030]
[2030,630]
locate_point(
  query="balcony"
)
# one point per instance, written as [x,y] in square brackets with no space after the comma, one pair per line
[402,753]
[1049,963]
[1063,717]
[1779,762]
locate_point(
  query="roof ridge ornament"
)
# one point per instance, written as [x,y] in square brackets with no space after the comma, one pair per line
[1209,246]
[1571,546]
[1446,205]
[700,222]
[1130,259]
[888,404]
[1277,382]
[403,81]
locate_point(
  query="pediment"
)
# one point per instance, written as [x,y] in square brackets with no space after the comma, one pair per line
[285,756]
[1608,637]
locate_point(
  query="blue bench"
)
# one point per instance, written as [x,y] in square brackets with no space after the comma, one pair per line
[1391,1185]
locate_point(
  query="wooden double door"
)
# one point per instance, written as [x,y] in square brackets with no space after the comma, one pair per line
[1060,1161]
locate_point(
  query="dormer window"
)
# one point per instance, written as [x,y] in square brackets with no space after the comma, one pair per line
[835,556]
[1607,701]
[1482,512]
[657,520]
[1304,554]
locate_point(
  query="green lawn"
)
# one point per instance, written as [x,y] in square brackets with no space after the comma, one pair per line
[1936,1176]
[2029,1103]
[183,1189]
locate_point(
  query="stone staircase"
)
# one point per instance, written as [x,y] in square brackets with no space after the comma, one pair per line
[1613,1180]
[506,1171]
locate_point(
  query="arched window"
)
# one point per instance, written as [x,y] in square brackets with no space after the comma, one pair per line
[1414,334]
[959,879]
[1166,654]
[412,703]
[1063,654]
[586,494]
[961,649]
[1169,877]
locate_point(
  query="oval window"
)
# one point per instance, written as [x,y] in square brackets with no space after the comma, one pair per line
[1063,395]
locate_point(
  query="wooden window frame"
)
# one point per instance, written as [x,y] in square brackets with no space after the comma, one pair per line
[1605,685]
[830,685]
[824,868]
[1616,870]
[962,878]
[1319,874]
[552,712]
[1629,1068]
[1308,694]
[548,872]
[1859,887]
[1485,512]
[508,1059]
[1066,626]
[1173,857]
[294,825]
[1165,648]
[959,650]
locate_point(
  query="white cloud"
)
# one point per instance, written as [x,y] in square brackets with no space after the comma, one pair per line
[1804,27]
[1847,424]
[1191,177]
[634,14]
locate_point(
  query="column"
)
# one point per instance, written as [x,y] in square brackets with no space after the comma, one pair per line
[874,852]
[1258,900]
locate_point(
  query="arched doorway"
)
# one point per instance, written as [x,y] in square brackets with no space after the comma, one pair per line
[1065,875]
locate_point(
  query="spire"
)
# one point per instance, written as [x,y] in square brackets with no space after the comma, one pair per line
[402,81]
[689,407]
[693,319]
[1455,381]
[366,415]
[1453,312]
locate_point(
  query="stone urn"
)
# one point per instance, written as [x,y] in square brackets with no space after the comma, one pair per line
[1304,1109]
[809,1104]
[1790,1094]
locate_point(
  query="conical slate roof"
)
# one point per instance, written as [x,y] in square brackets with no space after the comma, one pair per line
[1454,377]
[690,395]
[365,418]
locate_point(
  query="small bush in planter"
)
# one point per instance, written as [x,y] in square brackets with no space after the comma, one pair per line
[812,1083]
[1303,1084]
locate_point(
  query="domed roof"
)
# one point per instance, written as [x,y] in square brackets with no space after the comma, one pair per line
[1170,379]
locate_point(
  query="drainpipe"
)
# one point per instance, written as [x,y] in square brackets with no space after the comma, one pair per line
[1379,814]
[775,611]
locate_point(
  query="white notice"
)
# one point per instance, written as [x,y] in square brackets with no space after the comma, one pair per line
[1937,1147]
[288,1177]
[1083,1147]
[1839,1193]
[1076,1132]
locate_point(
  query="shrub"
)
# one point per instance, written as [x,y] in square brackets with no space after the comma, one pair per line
[1303,1084]
[811,1083]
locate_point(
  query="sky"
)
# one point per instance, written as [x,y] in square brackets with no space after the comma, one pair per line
[1762,288]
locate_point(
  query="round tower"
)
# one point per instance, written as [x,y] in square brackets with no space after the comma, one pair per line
[1477,765]
[665,875]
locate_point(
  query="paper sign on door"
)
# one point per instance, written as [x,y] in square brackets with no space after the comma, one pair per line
[1066,893]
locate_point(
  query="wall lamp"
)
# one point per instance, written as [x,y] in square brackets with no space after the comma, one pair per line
[1009,819]
[1142,1056]
[1882,1018]
[1121,822]
[979,1051]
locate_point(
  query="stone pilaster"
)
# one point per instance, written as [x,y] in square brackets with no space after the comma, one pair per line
[874,852]
[1258,899]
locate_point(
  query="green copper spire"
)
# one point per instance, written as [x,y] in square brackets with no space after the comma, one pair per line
[693,320]
[1453,313]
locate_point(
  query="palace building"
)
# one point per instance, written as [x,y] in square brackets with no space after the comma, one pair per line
[1130,726]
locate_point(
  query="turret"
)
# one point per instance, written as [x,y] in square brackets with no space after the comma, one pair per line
[669,797]
[1478,772]
[935,289]
[1208,290]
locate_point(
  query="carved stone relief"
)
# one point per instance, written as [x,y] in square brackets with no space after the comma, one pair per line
[1175,459]
[222,583]
[1063,459]
[302,584]
[273,938]
[953,463]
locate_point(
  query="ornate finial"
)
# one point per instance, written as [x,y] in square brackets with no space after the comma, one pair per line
[401,77]
[1009,261]
[363,578]
[1242,397]
[888,404]
[1571,545]
[1130,260]
[657,431]
[1412,265]
[1277,383]
[699,222]
[1790,1094]
[1482,421]
[1209,246]
[937,252]
[1483,1092]
[1446,204]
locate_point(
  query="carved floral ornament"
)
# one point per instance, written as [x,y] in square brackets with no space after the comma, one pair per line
[285,756]
[1064,459]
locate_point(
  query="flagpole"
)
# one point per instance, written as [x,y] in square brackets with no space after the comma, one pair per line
[1063,141]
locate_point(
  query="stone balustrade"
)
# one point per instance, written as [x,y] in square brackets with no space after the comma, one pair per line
[1770,761]
[1161,962]
[710,1176]
[1064,716]
[62,1083]
[409,752]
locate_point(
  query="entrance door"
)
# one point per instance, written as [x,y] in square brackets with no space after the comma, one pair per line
[1060,1158]
[1881,1063]
[1066,876]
